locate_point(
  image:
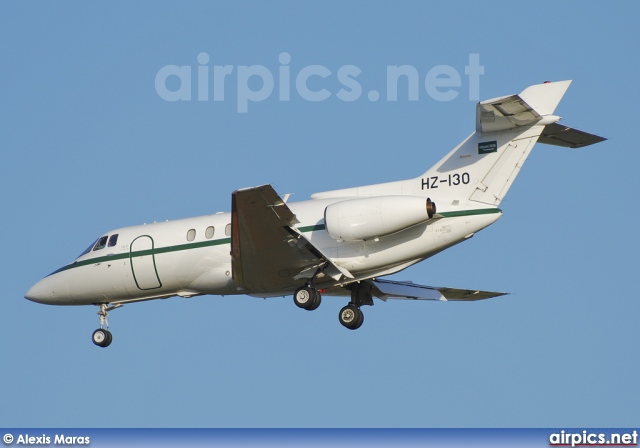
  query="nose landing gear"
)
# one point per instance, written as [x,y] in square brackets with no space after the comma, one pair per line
[102,337]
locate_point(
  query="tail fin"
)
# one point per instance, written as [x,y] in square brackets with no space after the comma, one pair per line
[484,166]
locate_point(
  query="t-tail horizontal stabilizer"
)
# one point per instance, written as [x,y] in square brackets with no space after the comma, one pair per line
[559,135]
[534,106]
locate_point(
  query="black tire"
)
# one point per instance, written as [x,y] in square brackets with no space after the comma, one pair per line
[351,317]
[102,338]
[305,297]
[360,319]
[107,343]
[316,302]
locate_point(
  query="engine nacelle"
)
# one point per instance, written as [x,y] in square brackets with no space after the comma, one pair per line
[368,218]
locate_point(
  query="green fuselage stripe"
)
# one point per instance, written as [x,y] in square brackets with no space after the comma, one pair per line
[481,211]
[189,246]
[142,253]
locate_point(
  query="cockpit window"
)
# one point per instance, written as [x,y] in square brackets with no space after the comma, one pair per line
[113,240]
[100,243]
[88,249]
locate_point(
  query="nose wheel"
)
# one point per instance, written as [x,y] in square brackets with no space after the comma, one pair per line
[102,337]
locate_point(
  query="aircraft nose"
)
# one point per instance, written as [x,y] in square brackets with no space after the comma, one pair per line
[49,290]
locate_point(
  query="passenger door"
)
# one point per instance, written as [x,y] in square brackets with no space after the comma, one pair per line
[143,263]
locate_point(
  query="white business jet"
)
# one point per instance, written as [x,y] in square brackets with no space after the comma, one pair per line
[338,243]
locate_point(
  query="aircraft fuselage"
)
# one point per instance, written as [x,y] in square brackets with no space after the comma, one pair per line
[189,257]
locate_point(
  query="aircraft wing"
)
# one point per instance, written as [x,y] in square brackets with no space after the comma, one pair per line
[388,289]
[267,252]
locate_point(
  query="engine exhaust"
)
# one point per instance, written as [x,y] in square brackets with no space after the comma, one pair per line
[431,208]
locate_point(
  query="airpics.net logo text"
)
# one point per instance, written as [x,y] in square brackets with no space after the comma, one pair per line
[314,83]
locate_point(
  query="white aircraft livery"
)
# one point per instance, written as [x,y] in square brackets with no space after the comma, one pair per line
[338,243]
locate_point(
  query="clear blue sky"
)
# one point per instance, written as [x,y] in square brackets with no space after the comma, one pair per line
[87,144]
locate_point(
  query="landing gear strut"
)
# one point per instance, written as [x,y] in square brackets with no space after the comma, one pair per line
[351,316]
[307,297]
[102,337]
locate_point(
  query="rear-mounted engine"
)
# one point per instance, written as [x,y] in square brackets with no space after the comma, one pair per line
[368,218]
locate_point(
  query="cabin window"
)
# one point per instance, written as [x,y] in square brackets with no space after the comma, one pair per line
[227,230]
[191,235]
[113,240]
[208,233]
[100,243]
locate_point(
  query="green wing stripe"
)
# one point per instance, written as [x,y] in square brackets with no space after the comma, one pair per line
[311,228]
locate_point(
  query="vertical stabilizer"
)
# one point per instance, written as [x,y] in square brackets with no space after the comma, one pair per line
[507,128]
[544,98]
[482,168]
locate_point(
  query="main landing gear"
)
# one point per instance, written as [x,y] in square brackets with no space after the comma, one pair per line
[102,337]
[351,316]
[308,297]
